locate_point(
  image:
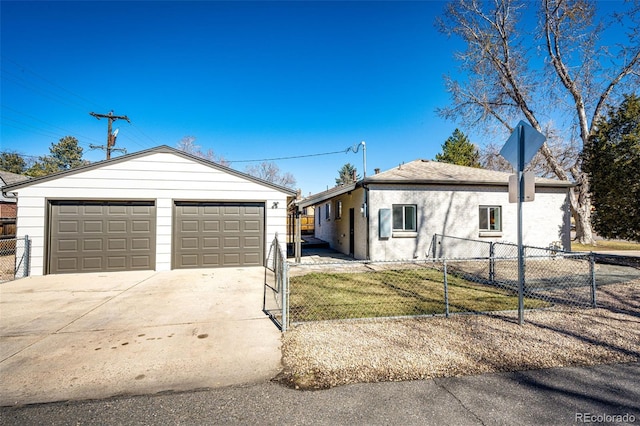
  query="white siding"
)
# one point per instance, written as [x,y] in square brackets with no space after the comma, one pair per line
[453,211]
[162,177]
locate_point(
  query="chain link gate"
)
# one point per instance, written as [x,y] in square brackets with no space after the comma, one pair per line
[15,255]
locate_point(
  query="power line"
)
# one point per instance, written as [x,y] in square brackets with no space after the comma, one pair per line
[23,68]
[344,151]
[67,131]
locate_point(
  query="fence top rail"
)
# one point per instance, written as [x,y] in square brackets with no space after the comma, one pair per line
[432,260]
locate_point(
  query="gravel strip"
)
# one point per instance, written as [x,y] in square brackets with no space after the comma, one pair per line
[325,354]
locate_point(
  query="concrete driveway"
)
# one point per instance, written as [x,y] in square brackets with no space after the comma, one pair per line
[87,336]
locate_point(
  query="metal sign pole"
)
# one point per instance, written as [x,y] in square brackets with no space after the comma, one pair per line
[520,246]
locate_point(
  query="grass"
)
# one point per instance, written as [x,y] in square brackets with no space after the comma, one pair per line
[325,296]
[606,245]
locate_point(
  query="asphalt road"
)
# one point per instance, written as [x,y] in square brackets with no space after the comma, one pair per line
[608,394]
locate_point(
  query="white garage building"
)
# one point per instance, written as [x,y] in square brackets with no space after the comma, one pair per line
[158,209]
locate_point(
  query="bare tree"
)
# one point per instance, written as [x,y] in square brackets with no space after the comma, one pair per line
[270,172]
[564,74]
[188,145]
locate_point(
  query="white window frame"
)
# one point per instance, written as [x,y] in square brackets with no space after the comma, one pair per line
[404,208]
[489,228]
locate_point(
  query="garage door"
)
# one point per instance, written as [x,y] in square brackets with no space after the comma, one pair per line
[96,236]
[218,235]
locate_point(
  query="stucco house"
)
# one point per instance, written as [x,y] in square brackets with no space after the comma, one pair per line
[393,215]
[157,209]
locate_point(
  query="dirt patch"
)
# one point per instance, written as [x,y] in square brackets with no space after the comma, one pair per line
[326,354]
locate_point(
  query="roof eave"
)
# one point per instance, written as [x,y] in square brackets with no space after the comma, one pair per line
[559,184]
[326,195]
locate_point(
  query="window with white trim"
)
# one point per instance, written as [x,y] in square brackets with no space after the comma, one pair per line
[404,217]
[338,209]
[490,218]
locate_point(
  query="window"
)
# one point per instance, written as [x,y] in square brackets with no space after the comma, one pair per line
[490,218]
[338,209]
[327,211]
[404,217]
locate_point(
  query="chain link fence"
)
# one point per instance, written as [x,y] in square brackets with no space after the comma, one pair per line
[14,258]
[482,278]
[276,280]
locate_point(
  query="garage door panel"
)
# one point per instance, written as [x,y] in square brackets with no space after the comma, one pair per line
[142,226]
[221,241]
[96,236]
[95,210]
[231,243]
[189,243]
[252,259]
[70,226]
[141,262]
[92,226]
[140,244]
[231,259]
[252,242]
[93,264]
[210,260]
[211,225]
[92,245]
[189,226]
[231,226]
[116,244]
[210,243]
[119,226]
[68,245]
[251,225]
[118,210]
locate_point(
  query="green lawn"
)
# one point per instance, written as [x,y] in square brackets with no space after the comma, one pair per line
[325,296]
[606,245]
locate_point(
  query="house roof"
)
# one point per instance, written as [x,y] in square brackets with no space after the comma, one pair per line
[325,195]
[8,178]
[158,149]
[427,172]
[435,172]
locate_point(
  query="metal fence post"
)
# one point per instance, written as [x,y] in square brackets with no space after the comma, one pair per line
[592,270]
[285,295]
[27,255]
[492,263]
[446,289]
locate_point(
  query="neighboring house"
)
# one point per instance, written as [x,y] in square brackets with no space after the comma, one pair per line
[393,215]
[157,209]
[8,208]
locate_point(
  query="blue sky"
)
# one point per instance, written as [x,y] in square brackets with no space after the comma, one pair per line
[250,81]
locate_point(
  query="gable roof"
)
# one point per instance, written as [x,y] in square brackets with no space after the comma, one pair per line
[427,172]
[159,149]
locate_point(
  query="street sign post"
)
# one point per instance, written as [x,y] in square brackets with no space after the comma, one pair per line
[519,150]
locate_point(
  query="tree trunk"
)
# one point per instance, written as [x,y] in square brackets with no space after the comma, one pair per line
[581,212]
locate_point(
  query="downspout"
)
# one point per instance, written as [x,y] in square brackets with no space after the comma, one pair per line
[366,213]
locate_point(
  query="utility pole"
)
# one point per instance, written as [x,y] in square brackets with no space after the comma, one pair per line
[111,137]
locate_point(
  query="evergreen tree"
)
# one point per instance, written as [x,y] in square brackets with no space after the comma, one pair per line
[64,155]
[12,162]
[346,175]
[612,161]
[457,149]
